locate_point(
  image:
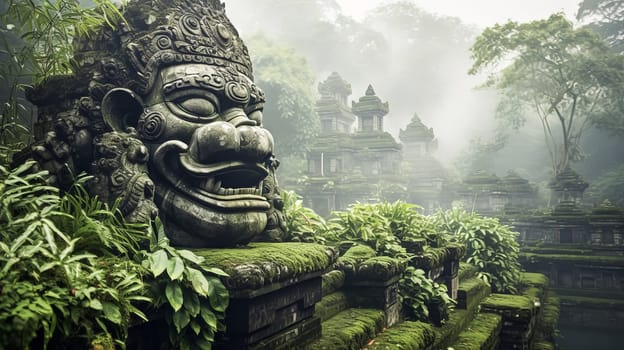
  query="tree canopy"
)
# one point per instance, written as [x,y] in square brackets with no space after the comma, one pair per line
[567,77]
[607,18]
[288,83]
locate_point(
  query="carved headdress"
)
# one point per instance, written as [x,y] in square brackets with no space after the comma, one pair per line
[160,33]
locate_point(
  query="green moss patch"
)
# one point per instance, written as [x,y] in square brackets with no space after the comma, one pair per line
[361,263]
[430,259]
[405,336]
[511,307]
[481,334]
[332,281]
[331,305]
[471,292]
[466,271]
[379,268]
[547,324]
[350,330]
[534,279]
[531,258]
[446,334]
[260,264]
[602,303]
[543,345]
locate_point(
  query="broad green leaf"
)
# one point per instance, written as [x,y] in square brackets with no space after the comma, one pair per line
[198,281]
[219,300]
[95,304]
[191,302]
[111,312]
[181,319]
[190,256]
[173,292]
[175,268]
[158,262]
[209,317]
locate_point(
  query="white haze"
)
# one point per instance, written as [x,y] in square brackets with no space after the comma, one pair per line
[440,92]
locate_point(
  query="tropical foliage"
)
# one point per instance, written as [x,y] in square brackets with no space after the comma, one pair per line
[607,18]
[72,270]
[36,42]
[491,246]
[302,223]
[567,77]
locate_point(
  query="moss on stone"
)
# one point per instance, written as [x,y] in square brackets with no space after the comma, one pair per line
[512,307]
[534,279]
[448,332]
[471,292]
[260,264]
[481,334]
[350,330]
[332,281]
[360,252]
[602,303]
[350,261]
[543,345]
[405,336]
[379,268]
[330,305]
[430,259]
[547,324]
[533,293]
[466,271]
[531,258]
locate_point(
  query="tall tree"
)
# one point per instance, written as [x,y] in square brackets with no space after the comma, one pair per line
[568,78]
[607,18]
[288,83]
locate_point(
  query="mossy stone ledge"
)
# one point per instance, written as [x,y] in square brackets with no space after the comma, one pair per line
[350,330]
[407,335]
[258,265]
[482,333]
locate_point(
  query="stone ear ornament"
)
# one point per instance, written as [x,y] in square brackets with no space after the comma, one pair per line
[121,109]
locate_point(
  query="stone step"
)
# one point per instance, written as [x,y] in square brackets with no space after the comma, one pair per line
[331,305]
[481,334]
[471,292]
[350,329]
[466,271]
[407,335]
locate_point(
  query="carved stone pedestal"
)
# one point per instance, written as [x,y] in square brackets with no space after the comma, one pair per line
[273,289]
[381,295]
[274,316]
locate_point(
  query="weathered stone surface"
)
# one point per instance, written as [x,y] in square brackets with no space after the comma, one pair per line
[163,111]
[261,267]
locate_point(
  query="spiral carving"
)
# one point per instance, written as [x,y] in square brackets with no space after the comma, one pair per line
[151,125]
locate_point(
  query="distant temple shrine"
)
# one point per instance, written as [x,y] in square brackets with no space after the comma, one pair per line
[355,160]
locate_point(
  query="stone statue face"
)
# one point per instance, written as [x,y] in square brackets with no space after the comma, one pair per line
[163,111]
[209,153]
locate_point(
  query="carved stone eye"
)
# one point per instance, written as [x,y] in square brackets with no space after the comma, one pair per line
[198,106]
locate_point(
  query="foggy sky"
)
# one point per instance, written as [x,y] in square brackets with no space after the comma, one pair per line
[457,111]
[479,12]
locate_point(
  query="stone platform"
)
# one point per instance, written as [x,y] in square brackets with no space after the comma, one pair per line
[273,289]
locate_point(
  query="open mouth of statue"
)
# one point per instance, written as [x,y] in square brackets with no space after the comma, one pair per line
[231,184]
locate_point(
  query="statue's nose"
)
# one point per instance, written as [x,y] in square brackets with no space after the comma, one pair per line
[237,117]
[221,141]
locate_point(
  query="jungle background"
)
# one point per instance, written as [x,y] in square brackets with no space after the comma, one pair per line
[418,61]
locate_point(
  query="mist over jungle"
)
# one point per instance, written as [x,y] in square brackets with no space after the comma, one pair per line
[418,61]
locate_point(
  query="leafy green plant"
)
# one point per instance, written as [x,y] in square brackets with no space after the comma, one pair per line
[421,296]
[302,223]
[408,224]
[491,246]
[51,291]
[364,223]
[36,42]
[187,293]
